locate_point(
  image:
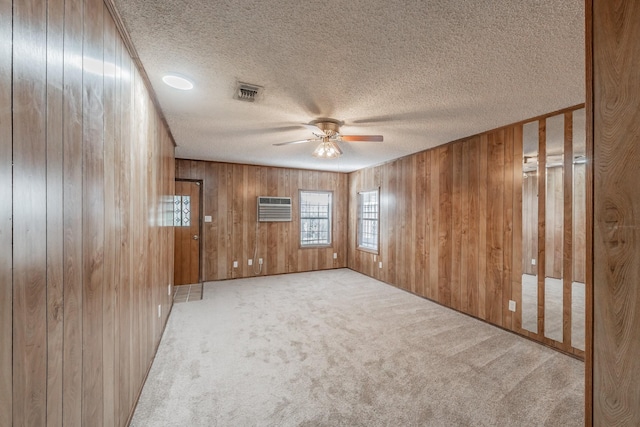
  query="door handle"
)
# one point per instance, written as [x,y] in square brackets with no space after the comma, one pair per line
[195,237]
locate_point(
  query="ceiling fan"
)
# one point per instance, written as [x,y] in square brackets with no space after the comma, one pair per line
[327,134]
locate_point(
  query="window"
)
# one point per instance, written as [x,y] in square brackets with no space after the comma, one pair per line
[368,220]
[182,211]
[315,218]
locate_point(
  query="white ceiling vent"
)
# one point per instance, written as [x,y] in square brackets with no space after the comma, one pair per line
[247,92]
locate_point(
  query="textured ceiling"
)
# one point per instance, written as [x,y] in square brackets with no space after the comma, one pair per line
[421,73]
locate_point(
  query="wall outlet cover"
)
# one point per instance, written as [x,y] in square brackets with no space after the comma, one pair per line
[207,218]
[250,262]
[235,264]
[533,261]
[380,264]
[512,305]
[335,255]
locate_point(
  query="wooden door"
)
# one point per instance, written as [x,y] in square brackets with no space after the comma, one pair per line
[187,233]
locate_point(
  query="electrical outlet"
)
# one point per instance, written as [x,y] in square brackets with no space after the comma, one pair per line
[169,289]
[380,264]
[533,261]
[260,261]
[235,264]
[250,262]
[159,310]
[512,305]
[335,255]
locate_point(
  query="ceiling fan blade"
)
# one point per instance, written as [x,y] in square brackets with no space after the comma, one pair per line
[315,129]
[302,141]
[364,138]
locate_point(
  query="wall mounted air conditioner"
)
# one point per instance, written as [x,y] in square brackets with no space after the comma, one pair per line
[274,209]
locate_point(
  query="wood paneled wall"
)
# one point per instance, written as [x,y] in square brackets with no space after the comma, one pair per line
[6,224]
[614,100]
[452,227]
[447,223]
[87,207]
[230,195]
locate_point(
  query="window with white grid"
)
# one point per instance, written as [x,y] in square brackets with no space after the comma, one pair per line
[368,220]
[315,218]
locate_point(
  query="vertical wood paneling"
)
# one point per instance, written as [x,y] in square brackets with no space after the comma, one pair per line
[6,255]
[495,227]
[616,206]
[456,225]
[444,225]
[109,291]
[55,236]
[411,220]
[230,197]
[483,217]
[29,217]
[124,186]
[434,203]
[93,213]
[465,227]
[465,249]
[73,270]
[79,312]
[420,224]
[123,214]
[473,270]
[209,229]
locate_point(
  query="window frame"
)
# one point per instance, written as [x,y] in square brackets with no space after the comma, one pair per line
[360,219]
[329,219]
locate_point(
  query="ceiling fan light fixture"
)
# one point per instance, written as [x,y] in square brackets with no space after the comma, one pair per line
[327,150]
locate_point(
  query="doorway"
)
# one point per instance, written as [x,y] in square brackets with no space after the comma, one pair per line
[187,232]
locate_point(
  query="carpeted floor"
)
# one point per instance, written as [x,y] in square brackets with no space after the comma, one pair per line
[336,348]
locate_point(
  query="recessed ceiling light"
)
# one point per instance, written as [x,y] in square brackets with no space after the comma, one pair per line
[177,82]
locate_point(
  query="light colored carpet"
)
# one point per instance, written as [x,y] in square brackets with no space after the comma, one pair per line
[336,348]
